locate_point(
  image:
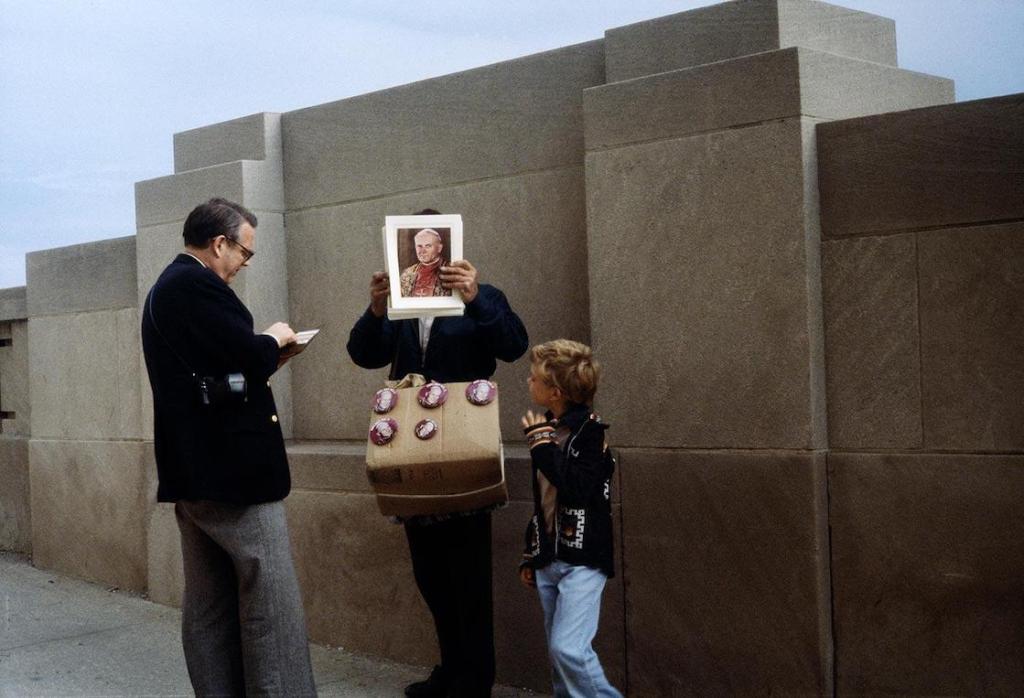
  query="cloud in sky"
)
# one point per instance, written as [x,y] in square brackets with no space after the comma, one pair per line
[92,93]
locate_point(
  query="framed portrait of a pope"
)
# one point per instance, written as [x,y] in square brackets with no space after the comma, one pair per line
[415,249]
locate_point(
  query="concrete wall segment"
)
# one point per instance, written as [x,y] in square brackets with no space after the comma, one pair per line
[726,573]
[838,30]
[169,199]
[972,337]
[15,502]
[13,303]
[253,137]
[352,563]
[514,117]
[872,342]
[927,555]
[719,300]
[15,400]
[78,278]
[733,29]
[838,87]
[90,507]
[84,379]
[750,89]
[941,166]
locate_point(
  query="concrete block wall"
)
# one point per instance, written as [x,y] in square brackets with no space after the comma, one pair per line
[90,493]
[15,505]
[791,390]
[923,218]
[704,268]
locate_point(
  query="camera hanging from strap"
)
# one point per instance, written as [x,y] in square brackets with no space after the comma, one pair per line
[212,391]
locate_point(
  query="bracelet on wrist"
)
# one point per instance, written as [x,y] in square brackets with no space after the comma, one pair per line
[539,425]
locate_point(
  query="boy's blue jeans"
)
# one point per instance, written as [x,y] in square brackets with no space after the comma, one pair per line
[571,598]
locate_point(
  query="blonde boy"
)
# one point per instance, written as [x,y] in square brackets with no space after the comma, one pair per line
[568,555]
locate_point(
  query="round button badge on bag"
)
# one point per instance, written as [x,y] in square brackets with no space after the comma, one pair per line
[383,431]
[384,400]
[432,395]
[481,392]
[425,429]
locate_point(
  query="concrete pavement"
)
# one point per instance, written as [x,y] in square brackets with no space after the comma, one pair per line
[65,637]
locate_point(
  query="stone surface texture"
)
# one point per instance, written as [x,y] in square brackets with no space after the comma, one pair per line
[726,299]
[927,556]
[508,118]
[15,401]
[79,278]
[90,506]
[15,505]
[726,567]
[747,90]
[85,381]
[13,303]
[253,137]
[945,165]
[872,342]
[732,29]
[972,337]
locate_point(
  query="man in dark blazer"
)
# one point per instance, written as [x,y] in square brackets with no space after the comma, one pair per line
[221,459]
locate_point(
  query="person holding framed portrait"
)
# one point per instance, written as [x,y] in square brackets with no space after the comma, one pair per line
[451,553]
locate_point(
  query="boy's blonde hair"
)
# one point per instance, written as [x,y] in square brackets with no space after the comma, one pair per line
[569,366]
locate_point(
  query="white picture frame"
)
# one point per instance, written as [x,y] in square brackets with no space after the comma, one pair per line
[400,257]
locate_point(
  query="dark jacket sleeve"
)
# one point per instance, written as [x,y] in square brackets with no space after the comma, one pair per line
[497,324]
[371,342]
[219,316]
[578,476]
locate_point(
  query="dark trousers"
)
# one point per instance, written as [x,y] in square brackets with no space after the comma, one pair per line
[452,564]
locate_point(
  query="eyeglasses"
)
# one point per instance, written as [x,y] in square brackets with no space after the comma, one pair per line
[249,254]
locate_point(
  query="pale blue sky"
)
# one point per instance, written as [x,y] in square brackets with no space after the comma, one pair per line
[91,93]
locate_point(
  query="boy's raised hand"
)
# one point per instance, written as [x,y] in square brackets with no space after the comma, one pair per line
[529,419]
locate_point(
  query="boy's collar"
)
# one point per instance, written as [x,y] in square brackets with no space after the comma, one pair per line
[574,415]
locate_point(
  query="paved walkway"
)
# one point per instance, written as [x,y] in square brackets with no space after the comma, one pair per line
[65,637]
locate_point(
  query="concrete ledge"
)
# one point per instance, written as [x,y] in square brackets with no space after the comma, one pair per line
[734,29]
[518,116]
[91,276]
[13,303]
[767,86]
[254,137]
[941,166]
[254,184]
[927,553]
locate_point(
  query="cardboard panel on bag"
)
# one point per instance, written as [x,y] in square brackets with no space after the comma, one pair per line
[459,469]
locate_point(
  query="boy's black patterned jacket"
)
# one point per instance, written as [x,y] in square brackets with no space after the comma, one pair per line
[581,470]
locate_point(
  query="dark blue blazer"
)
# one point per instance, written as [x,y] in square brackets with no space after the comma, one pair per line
[193,323]
[461,348]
